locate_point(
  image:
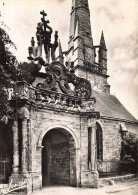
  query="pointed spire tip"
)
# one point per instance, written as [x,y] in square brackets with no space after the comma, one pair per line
[102,41]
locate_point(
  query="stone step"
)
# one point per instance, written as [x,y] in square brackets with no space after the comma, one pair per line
[111,180]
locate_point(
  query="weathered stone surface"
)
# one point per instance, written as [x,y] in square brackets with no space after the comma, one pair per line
[50,128]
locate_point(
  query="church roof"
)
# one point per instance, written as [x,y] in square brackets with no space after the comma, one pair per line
[109,106]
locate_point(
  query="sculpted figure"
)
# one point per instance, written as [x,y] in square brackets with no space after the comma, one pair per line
[43,35]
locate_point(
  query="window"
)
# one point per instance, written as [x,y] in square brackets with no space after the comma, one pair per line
[99,140]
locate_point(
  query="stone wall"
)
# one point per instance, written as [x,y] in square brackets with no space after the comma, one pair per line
[98,82]
[111,147]
[43,121]
[75,127]
[60,164]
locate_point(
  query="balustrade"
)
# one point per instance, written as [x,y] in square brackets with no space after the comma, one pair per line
[53,98]
[93,67]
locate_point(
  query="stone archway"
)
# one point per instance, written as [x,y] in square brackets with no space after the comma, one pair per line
[58,158]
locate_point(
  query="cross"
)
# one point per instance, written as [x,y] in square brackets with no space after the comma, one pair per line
[45,22]
[43,14]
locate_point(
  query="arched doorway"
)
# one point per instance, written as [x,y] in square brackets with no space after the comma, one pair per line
[58,158]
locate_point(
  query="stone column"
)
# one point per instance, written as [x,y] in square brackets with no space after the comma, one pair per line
[15,147]
[24,146]
[93,148]
[92,125]
[29,132]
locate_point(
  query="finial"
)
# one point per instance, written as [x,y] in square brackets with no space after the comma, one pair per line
[32,42]
[61,58]
[60,49]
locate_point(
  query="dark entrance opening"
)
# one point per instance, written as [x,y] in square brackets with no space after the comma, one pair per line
[58,158]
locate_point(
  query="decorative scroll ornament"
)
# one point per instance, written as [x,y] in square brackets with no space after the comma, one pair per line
[57,75]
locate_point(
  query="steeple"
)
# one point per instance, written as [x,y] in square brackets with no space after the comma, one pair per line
[81,50]
[80,12]
[80,34]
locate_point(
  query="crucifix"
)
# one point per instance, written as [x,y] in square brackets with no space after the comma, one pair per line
[43,35]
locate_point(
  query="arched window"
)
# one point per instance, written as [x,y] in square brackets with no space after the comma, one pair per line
[99,141]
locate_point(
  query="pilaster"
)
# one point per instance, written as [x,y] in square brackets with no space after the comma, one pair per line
[24,147]
[15,147]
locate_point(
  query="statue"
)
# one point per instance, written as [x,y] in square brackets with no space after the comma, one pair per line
[43,36]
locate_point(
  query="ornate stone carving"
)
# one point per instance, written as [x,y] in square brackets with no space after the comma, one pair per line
[88,105]
[57,77]
[57,73]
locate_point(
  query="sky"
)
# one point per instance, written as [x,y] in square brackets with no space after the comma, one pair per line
[117,18]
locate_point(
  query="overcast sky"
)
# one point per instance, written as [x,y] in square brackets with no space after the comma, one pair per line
[117,18]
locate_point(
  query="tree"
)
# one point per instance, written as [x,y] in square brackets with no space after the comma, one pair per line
[7,67]
[131,147]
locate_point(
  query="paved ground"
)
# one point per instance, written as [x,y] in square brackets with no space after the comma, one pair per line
[129,187]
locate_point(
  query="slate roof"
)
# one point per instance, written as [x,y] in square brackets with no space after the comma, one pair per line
[109,106]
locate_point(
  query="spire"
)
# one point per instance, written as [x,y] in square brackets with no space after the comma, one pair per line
[80,3]
[80,45]
[102,41]
[60,57]
[80,14]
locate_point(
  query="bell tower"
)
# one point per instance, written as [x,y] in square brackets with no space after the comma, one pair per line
[82,51]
